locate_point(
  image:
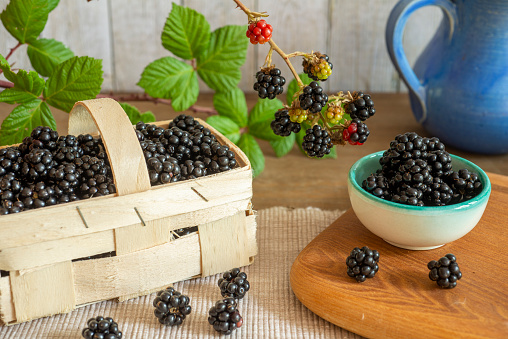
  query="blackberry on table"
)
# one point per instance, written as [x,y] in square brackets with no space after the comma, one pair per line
[378,185]
[224,316]
[282,125]
[171,307]
[317,142]
[313,98]
[362,263]
[445,271]
[103,328]
[234,284]
[270,83]
[362,106]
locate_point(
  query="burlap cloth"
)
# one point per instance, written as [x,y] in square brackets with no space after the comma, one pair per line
[270,309]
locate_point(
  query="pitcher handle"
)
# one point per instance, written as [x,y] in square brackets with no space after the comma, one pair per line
[394,32]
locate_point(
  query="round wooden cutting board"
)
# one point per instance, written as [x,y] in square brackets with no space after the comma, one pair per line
[401,301]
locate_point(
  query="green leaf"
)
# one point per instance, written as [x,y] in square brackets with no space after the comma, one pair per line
[23,119]
[219,65]
[225,126]
[46,54]
[161,75]
[6,68]
[135,116]
[283,145]
[261,116]
[52,4]
[78,78]
[186,32]
[186,93]
[232,104]
[293,87]
[27,86]
[3,62]
[251,148]
[25,19]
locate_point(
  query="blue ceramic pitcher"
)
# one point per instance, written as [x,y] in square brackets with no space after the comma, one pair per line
[459,85]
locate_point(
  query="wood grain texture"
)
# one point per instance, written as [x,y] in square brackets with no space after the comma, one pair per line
[139,237]
[401,301]
[7,312]
[46,291]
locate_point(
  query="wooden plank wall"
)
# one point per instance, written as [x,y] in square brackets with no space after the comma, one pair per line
[125,34]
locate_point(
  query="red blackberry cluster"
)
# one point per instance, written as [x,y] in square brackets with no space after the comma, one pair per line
[318,69]
[100,327]
[445,271]
[259,32]
[270,83]
[361,107]
[317,142]
[171,307]
[419,172]
[224,316]
[313,98]
[234,284]
[282,124]
[356,133]
[362,263]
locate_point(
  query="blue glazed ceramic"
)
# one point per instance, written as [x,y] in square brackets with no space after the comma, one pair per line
[459,86]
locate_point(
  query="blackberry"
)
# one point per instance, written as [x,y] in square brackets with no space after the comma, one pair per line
[405,146]
[438,193]
[317,142]
[10,160]
[282,125]
[224,316]
[312,98]
[100,327]
[270,83]
[202,140]
[65,177]
[171,307]
[445,271]
[96,177]
[334,113]
[163,169]
[464,184]
[362,106]
[234,284]
[222,159]
[377,184]
[177,142]
[191,169]
[185,123]
[362,263]
[408,195]
[318,67]
[440,163]
[298,115]
[152,149]
[415,173]
[356,133]
[40,137]
[37,163]
[259,32]
[92,146]
[434,144]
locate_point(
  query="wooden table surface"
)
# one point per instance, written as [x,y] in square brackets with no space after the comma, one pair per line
[297,181]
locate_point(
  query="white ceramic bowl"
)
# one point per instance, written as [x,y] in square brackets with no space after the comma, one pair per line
[414,227]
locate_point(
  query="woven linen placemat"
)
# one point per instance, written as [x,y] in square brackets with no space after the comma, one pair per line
[270,309]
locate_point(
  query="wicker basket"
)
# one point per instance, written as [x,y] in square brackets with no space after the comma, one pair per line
[49,252]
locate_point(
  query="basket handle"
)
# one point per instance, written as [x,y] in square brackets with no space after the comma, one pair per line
[107,117]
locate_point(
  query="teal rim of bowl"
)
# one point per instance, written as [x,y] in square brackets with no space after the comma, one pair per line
[463,205]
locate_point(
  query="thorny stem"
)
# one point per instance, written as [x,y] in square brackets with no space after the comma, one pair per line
[10,53]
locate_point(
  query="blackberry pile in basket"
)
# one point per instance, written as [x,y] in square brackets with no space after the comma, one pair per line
[418,171]
[47,169]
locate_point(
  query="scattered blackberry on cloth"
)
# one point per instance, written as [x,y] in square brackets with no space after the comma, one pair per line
[282,125]
[313,99]
[171,307]
[270,83]
[362,263]
[101,328]
[445,271]
[234,284]
[317,142]
[224,316]
[362,106]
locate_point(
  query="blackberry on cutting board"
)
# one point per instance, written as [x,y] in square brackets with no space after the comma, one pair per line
[313,98]
[282,125]
[101,328]
[445,271]
[171,307]
[362,106]
[270,83]
[317,142]
[362,263]
[234,284]
[224,316]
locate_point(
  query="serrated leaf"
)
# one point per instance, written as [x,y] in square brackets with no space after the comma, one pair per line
[135,115]
[3,62]
[78,78]
[219,65]
[6,69]
[283,145]
[148,117]
[261,116]
[232,104]
[186,93]
[52,4]
[293,87]
[23,119]
[27,86]
[251,148]
[46,54]
[225,126]
[25,19]
[186,32]
[161,75]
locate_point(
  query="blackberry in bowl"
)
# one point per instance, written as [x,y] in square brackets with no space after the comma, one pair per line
[416,226]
